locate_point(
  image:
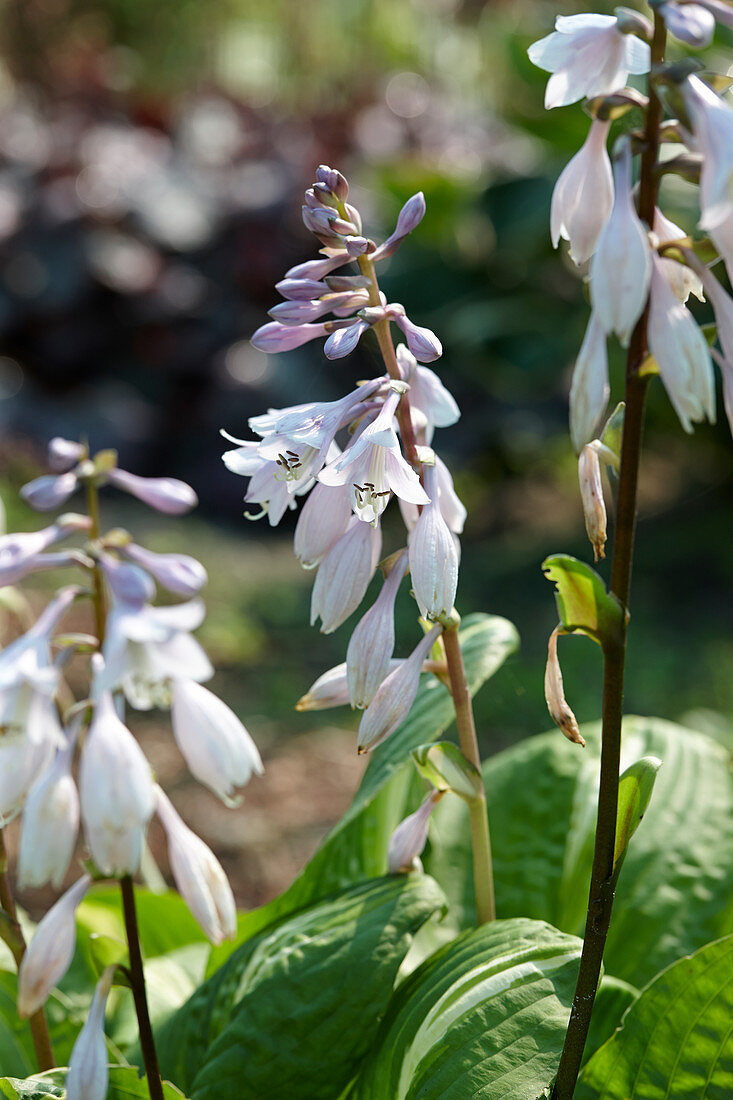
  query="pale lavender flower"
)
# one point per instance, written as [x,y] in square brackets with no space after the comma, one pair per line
[721,9]
[164,494]
[198,875]
[64,454]
[50,824]
[302,290]
[371,645]
[422,342]
[323,519]
[51,950]
[270,486]
[451,506]
[179,573]
[319,269]
[115,790]
[588,55]
[723,305]
[395,696]
[21,553]
[217,748]
[690,23]
[590,388]
[332,689]
[621,266]
[712,124]
[275,336]
[344,574]
[129,582]
[88,1075]
[431,404]
[344,339]
[46,493]
[583,196]
[682,279]
[409,838]
[433,555]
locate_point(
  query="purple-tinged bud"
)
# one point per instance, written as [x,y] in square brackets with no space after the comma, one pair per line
[317,269]
[395,696]
[340,283]
[198,875]
[21,553]
[217,748]
[331,689]
[372,643]
[409,218]
[50,951]
[323,519]
[165,494]
[721,9]
[333,180]
[433,555]
[50,824]
[116,792]
[88,1076]
[557,704]
[276,337]
[322,194]
[64,454]
[590,389]
[344,574]
[129,583]
[179,573]
[591,496]
[298,312]
[324,233]
[424,344]
[358,246]
[354,216]
[343,341]
[49,492]
[301,290]
[409,838]
[692,24]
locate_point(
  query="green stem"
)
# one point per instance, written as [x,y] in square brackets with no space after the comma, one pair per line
[603,881]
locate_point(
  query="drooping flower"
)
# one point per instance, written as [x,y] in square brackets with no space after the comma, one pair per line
[589,389]
[409,838]
[712,124]
[431,404]
[583,196]
[50,491]
[88,1075]
[433,555]
[344,574]
[588,55]
[179,573]
[22,552]
[690,23]
[324,518]
[51,950]
[557,704]
[591,496]
[395,696]
[371,645]
[274,483]
[50,823]
[681,278]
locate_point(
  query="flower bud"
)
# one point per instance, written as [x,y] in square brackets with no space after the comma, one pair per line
[560,712]
[216,746]
[128,582]
[424,344]
[591,495]
[689,23]
[410,216]
[433,555]
[342,341]
[583,196]
[276,337]
[301,290]
[179,573]
[50,825]
[395,696]
[323,519]
[50,951]
[88,1075]
[331,689]
[318,269]
[20,553]
[116,791]
[63,454]
[198,875]
[334,181]
[49,492]
[165,494]
[409,838]
[590,389]
[344,574]
[372,643]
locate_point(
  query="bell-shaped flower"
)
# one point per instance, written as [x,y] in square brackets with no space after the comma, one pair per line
[451,506]
[712,124]
[395,696]
[723,305]
[332,688]
[371,645]
[591,497]
[198,875]
[324,518]
[588,55]
[50,824]
[682,279]
[88,1076]
[410,216]
[115,790]
[373,466]
[583,195]
[51,950]
[274,482]
[179,573]
[344,574]
[690,23]
[164,494]
[64,454]
[217,748]
[621,266]
[433,555]
[146,647]
[681,353]
[409,838]
[589,389]
[21,552]
[50,491]
[429,398]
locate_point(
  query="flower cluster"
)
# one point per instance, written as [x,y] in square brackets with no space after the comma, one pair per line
[141,653]
[642,271]
[352,456]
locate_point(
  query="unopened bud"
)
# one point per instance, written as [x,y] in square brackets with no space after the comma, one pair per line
[88,1075]
[63,454]
[422,342]
[591,495]
[179,573]
[50,951]
[333,180]
[165,494]
[557,705]
[629,21]
[49,492]
[409,838]
[395,696]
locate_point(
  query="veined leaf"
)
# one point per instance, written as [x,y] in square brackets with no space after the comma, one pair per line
[582,600]
[124,1084]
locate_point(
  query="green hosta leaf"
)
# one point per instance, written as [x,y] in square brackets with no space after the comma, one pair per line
[445,766]
[582,600]
[294,1010]
[673,893]
[17,1055]
[164,920]
[675,1040]
[356,849]
[484,1017]
[634,792]
[124,1084]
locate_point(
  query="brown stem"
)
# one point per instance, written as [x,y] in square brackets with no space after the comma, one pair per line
[137,977]
[16,942]
[602,885]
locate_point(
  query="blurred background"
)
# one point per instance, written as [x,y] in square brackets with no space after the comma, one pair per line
[152,160]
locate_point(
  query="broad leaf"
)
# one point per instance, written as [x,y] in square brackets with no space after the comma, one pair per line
[301,997]
[673,894]
[124,1084]
[675,1040]
[484,1017]
[582,600]
[17,1055]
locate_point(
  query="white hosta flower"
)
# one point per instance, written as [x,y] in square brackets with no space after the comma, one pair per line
[88,1075]
[583,195]
[722,238]
[723,306]
[431,404]
[712,124]
[116,792]
[409,838]
[373,466]
[274,481]
[344,574]
[433,555]
[332,688]
[217,748]
[682,279]
[51,950]
[395,696]
[371,645]
[589,389]
[451,506]
[22,552]
[50,824]
[25,753]
[146,647]
[588,56]
[323,519]
[681,353]
[621,266]
[198,875]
